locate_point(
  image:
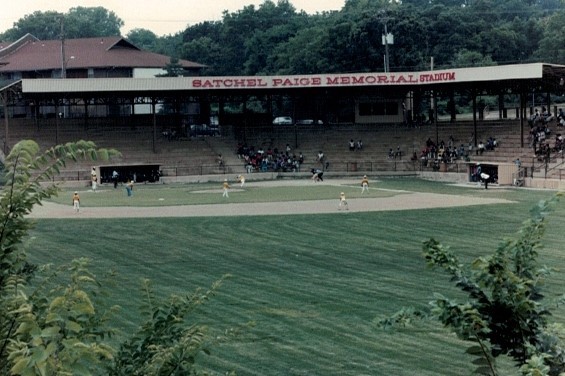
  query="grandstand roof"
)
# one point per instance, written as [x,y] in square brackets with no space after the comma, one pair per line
[32,54]
[543,76]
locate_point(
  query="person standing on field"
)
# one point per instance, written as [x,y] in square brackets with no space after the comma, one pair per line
[342,202]
[364,184]
[94,178]
[226,187]
[76,202]
[129,188]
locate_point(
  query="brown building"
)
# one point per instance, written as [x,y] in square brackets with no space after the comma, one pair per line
[104,57]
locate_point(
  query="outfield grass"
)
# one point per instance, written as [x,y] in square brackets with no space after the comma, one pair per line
[313,284]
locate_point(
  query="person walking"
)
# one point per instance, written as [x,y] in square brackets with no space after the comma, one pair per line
[364,184]
[226,187]
[76,202]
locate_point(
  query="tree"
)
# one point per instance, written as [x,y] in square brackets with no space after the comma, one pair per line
[42,25]
[89,22]
[25,341]
[143,38]
[55,322]
[79,22]
[504,313]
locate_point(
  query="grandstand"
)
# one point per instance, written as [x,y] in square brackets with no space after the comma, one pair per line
[197,156]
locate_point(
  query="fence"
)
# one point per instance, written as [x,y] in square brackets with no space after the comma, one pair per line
[345,168]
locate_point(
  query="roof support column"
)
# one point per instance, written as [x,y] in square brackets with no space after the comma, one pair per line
[153,105]
[85,102]
[474,94]
[57,121]
[522,113]
[4,95]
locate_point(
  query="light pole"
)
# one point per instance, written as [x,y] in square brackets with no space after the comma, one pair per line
[387,39]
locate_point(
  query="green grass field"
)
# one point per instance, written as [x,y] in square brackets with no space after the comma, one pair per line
[313,284]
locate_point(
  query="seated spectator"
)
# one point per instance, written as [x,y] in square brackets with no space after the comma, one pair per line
[351,145]
[461,152]
[390,154]
[558,148]
[451,141]
[481,148]
[518,163]
[359,145]
[490,144]
[561,118]
[546,116]
[398,153]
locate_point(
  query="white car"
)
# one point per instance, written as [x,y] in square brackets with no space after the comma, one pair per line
[282,120]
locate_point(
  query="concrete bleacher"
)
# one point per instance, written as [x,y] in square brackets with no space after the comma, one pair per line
[197,156]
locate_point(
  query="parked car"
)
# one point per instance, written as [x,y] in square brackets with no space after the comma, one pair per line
[203,130]
[309,122]
[282,120]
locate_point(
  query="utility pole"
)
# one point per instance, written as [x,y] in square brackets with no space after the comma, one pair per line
[63,58]
[386,38]
[387,63]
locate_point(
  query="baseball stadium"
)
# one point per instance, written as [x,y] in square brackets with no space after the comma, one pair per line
[305,285]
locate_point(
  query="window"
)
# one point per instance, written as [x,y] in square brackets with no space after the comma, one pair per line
[378,109]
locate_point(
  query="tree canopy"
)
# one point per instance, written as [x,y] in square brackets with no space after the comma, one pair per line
[79,22]
[275,38]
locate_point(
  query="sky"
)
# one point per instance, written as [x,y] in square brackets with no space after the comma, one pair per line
[162,17]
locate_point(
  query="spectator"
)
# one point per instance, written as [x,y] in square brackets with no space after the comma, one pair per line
[518,163]
[359,145]
[481,148]
[351,145]
[398,153]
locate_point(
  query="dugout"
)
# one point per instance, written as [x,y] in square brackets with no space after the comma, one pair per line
[141,173]
[500,173]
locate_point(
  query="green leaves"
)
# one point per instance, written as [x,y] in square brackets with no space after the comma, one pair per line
[36,327]
[504,312]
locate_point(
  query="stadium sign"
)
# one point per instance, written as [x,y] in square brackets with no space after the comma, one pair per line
[328,80]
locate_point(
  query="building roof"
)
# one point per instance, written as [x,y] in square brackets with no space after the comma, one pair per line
[31,54]
[541,75]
